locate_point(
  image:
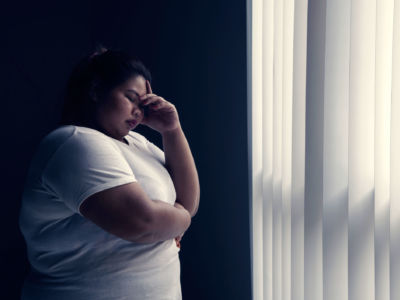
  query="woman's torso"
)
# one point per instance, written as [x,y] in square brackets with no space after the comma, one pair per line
[70,255]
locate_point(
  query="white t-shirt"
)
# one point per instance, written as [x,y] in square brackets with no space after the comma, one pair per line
[71,257]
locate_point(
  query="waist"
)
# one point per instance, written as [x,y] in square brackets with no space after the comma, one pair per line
[103,261]
[133,285]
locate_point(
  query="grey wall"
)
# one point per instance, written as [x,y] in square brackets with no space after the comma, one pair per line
[196,52]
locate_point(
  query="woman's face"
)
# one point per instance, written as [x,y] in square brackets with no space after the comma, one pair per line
[119,111]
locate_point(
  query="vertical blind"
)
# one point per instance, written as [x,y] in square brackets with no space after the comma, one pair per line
[324,148]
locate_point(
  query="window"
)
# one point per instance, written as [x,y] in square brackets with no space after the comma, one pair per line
[324,146]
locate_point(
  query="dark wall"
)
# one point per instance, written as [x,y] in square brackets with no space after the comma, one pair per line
[196,51]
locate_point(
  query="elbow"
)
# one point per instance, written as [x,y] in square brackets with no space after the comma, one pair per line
[196,208]
[193,210]
[197,202]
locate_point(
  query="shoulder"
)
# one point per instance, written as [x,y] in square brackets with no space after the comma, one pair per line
[148,145]
[138,137]
[141,139]
[72,134]
[72,142]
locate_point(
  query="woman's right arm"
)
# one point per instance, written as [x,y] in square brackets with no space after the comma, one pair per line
[127,212]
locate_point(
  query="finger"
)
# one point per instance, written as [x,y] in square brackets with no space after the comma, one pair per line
[152,100]
[156,105]
[147,99]
[148,87]
[146,96]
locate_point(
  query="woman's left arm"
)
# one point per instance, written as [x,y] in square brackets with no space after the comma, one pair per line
[180,164]
[162,116]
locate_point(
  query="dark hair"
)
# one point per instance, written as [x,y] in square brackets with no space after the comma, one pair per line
[95,76]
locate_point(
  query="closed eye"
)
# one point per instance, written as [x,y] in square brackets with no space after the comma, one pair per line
[142,107]
[132,99]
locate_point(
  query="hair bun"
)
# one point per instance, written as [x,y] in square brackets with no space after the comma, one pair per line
[99,50]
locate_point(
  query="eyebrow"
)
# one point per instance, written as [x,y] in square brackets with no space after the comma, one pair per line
[137,94]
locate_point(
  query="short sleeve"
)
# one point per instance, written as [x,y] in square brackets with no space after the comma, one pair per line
[84,165]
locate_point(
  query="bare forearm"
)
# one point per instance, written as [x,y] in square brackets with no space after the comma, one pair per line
[181,166]
[166,223]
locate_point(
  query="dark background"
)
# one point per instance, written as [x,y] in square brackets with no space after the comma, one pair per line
[196,51]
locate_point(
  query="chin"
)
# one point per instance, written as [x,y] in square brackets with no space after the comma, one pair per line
[127,132]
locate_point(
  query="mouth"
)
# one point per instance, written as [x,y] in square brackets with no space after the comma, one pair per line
[132,123]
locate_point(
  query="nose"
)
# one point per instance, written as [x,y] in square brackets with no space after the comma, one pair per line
[137,111]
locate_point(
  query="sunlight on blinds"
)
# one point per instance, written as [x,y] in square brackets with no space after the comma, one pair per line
[324,148]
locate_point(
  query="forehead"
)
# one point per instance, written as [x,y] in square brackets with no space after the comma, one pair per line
[137,83]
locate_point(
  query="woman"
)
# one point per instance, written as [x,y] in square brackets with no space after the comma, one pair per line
[103,208]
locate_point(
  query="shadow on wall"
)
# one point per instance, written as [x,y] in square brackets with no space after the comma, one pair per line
[200,67]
